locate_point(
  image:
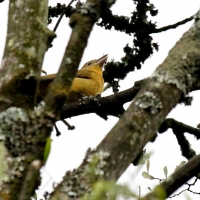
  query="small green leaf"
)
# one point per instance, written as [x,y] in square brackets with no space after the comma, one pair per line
[165,171]
[148,176]
[180,165]
[148,165]
[47,149]
[143,158]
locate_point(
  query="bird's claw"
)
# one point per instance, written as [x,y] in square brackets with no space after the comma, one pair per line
[44,72]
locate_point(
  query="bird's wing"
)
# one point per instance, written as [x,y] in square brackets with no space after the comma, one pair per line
[83,74]
[80,74]
[48,78]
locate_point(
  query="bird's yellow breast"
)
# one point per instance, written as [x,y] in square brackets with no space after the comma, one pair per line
[88,86]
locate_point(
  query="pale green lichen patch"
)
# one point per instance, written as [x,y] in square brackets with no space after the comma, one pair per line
[79,181]
[5,79]
[21,66]
[14,170]
[178,79]
[87,8]
[31,74]
[150,102]
[20,128]
[20,131]
[96,163]
[68,60]
[132,142]
[11,42]
[16,167]
[19,3]
[31,52]
[3,153]
[75,184]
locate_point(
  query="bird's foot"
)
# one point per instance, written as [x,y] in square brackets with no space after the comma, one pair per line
[70,127]
[44,72]
[97,99]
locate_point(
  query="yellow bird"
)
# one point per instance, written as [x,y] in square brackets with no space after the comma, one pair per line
[88,81]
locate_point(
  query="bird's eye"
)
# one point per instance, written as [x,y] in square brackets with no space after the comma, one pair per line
[89,63]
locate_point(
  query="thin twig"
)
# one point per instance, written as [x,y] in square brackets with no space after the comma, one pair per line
[187,189]
[179,129]
[174,124]
[61,16]
[165,28]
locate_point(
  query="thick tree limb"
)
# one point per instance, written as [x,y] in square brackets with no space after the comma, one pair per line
[26,44]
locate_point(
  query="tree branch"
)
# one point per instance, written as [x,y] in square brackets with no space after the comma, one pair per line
[64,11]
[165,28]
[61,16]
[110,105]
[179,129]
[113,105]
[58,10]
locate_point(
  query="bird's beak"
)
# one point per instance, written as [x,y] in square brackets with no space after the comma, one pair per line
[102,60]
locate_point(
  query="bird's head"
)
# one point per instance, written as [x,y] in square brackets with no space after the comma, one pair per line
[97,62]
